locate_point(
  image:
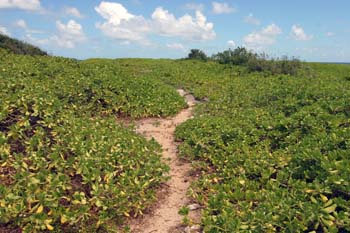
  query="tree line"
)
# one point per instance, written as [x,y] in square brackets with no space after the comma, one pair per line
[19,47]
[253,61]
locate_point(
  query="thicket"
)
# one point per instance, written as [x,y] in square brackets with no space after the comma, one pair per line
[283,65]
[238,56]
[20,47]
[197,54]
[254,62]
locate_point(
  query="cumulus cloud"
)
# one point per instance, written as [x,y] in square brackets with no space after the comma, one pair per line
[176,46]
[123,25]
[194,6]
[114,13]
[31,5]
[186,27]
[231,43]
[250,19]
[298,33]
[21,24]
[120,24]
[4,31]
[68,34]
[267,36]
[222,8]
[36,41]
[72,11]
[272,30]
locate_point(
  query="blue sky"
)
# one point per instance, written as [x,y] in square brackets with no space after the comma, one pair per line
[313,30]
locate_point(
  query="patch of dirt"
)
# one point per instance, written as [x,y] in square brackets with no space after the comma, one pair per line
[6,228]
[164,216]
[6,175]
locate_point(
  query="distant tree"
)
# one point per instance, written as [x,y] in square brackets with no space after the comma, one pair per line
[197,54]
[258,62]
[283,65]
[238,56]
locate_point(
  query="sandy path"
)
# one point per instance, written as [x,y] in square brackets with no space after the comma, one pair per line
[165,217]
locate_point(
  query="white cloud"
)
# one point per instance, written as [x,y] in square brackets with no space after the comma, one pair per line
[72,11]
[113,12]
[298,33]
[68,34]
[176,46]
[186,27]
[267,36]
[231,43]
[21,24]
[194,6]
[31,5]
[222,8]
[330,34]
[250,19]
[4,31]
[36,41]
[272,30]
[122,25]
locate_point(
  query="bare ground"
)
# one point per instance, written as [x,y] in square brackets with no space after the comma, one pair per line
[164,215]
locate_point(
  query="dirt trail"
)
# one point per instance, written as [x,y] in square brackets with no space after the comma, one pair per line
[165,218]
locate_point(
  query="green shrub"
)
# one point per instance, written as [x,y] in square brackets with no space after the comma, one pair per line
[274,66]
[197,54]
[239,56]
[258,63]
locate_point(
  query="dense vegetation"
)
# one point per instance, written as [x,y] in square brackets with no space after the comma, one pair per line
[274,154]
[65,162]
[19,47]
[272,151]
[271,148]
[197,54]
[252,61]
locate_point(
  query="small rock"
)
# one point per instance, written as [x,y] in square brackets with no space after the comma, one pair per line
[194,206]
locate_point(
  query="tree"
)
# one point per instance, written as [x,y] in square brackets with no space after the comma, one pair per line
[239,56]
[197,54]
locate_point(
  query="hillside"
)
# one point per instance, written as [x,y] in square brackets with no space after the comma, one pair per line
[268,152]
[19,47]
